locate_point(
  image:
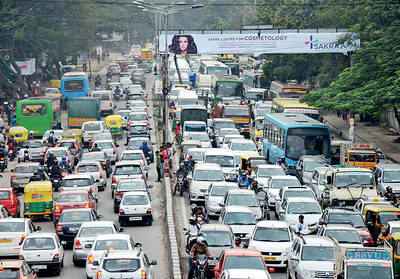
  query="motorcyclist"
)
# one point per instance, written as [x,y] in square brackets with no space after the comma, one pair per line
[51,139]
[200,248]
[12,144]
[95,147]
[145,148]
[179,172]
[65,165]
[199,215]
[31,136]
[261,193]
[385,235]
[193,226]
[282,162]
[98,77]
[193,208]
[3,153]
[117,91]
[35,177]
[186,166]
[55,171]
[51,159]
[390,196]
[26,156]
[191,162]
[243,181]
[109,75]
[42,174]
[57,127]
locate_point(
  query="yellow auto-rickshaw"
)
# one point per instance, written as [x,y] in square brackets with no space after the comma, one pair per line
[114,124]
[20,134]
[73,133]
[257,128]
[395,245]
[249,162]
[177,115]
[185,145]
[377,215]
[38,199]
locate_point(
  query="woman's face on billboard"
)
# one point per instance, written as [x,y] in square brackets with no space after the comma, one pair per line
[183,44]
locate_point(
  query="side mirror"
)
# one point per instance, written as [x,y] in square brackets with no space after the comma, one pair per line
[100,216]
[329,180]
[137,244]
[153,262]
[216,269]
[38,228]
[206,194]
[365,242]
[321,223]
[88,246]
[95,263]
[146,168]
[149,116]
[122,229]
[55,199]
[125,144]
[96,197]
[150,186]
[117,145]
[369,223]
[11,171]
[221,204]
[379,179]
[277,199]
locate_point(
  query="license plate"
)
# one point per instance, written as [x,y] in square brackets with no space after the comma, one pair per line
[1,162]
[39,266]
[5,240]
[73,230]
[270,258]
[135,218]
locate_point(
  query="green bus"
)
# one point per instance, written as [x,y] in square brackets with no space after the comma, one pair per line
[226,88]
[38,114]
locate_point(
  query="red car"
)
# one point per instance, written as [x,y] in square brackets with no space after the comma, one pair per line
[124,65]
[240,259]
[10,200]
[73,199]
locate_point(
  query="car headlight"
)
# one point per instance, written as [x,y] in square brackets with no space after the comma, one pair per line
[258,215]
[195,190]
[306,180]
[308,273]
[213,203]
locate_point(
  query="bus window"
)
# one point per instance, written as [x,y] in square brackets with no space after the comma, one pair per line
[34,109]
[73,84]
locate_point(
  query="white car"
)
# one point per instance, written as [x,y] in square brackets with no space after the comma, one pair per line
[124,114]
[57,134]
[272,238]
[12,232]
[200,136]
[60,152]
[224,132]
[101,244]
[262,173]
[96,170]
[136,118]
[135,156]
[275,183]
[90,128]
[242,147]
[135,207]
[214,196]
[43,251]
[226,139]
[203,175]
[80,182]
[109,147]
[116,69]
[137,106]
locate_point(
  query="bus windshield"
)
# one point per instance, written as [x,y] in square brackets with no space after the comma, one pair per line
[217,71]
[39,109]
[73,85]
[237,112]
[229,89]
[307,141]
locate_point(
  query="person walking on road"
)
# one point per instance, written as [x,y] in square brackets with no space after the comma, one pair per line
[158,166]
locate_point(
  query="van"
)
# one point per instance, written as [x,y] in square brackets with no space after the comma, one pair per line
[107,105]
[387,175]
[186,98]
[89,128]
[225,158]
[193,126]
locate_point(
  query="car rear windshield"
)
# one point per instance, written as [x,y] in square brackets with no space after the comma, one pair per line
[25,169]
[91,127]
[279,183]
[303,208]
[77,181]
[301,194]
[131,156]
[241,262]
[73,198]
[95,231]
[4,195]
[135,143]
[219,191]
[40,243]
[32,144]
[208,175]
[135,200]
[75,216]
[12,227]
[272,234]
[132,185]
[356,219]
[344,236]
[88,168]
[137,117]
[218,238]
[116,244]
[127,170]
[92,156]
[59,153]
[101,137]
[103,145]
[243,200]
[9,273]
[121,265]
[239,218]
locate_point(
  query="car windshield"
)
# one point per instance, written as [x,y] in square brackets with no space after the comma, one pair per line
[123,113]
[4,195]
[208,175]
[386,216]
[12,227]
[42,243]
[138,129]
[244,200]
[101,137]
[268,172]
[279,183]
[196,155]
[272,234]
[91,126]
[76,181]
[131,156]
[228,139]
[368,270]
[221,124]
[92,156]
[194,127]
[219,191]
[115,244]
[10,273]
[121,265]
[244,146]
[253,162]
[75,216]
[73,198]
[241,262]
[135,143]
[299,194]
[135,200]
[317,253]
[32,144]
[132,185]
[391,177]
[95,231]
[25,169]
[224,132]
[127,170]
[310,166]
[87,168]
[239,218]
[218,238]
[222,160]
[104,145]
[137,117]
[354,179]
[199,137]
[344,236]
[356,219]
[303,208]
[59,152]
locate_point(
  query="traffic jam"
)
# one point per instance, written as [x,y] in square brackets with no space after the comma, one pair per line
[268,190]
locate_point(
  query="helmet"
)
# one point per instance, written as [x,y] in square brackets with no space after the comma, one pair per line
[64,158]
[193,206]
[55,162]
[51,132]
[283,158]
[95,145]
[191,218]
[186,160]
[181,164]
[12,136]
[26,151]
[201,240]
[238,239]
[40,169]
[36,173]
[31,132]
[244,174]
[389,189]
[200,208]
[51,153]
[144,143]
[247,172]
[259,189]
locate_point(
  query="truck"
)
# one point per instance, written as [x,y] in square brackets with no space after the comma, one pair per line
[365,262]
[135,52]
[240,114]
[346,185]
[362,155]
[147,54]
[81,110]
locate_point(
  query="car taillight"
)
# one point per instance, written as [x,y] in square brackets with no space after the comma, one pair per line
[63,174]
[13,175]
[144,274]
[99,274]
[87,205]
[57,145]
[145,109]
[78,245]
[76,171]
[148,210]
[148,132]
[129,133]
[76,146]
[56,257]
[118,195]
[59,228]
[21,257]
[43,150]
[114,180]
[12,199]
[121,211]
[90,259]
[143,177]
[27,207]
[127,148]
[101,173]
[69,159]
[91,190]
[22,238]
[57,208]
[104,163]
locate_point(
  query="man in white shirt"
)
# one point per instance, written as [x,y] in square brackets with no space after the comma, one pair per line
[301,225]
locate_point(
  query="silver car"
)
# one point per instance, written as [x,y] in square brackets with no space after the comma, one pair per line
[21,174]
[127,170]
[137,106]
[86,235]
[60,152]
[96,170]
[80,182]
[109,147]
[214,196]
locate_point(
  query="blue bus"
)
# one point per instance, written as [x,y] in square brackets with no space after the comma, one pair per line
[75,84]
[294,135]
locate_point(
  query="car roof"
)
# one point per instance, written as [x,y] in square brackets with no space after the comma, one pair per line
[288,177]
[132,151]
[72,192]
[80,175]
[240,191]
[222,183]
[127,163]
[314,240]
[215,227]
[27,164]
[237,208]
[204,166]
[104,140]
[242,252]
[242,140]
[13,220]
[296,188]
[300,199]
[40,234]
[112,236]
[218,151]
[223,120]
[389,166]
[247,273]
[342,210]
[273,223]
[97,224]
[123,254]
[270,167]
[77,209]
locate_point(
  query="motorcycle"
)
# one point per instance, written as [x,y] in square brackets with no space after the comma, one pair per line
[201,266]
[147,156]
[117,96]
[56,181]
[190,240]
[3,163]
[11,154]
[180,185]
[171,112]
[264,206]
[108,80]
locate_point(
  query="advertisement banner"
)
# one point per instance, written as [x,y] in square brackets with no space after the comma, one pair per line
[27,67]
[158,85]
[256,44]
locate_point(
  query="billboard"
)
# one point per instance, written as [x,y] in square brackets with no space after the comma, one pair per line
[27,67]
[256,44]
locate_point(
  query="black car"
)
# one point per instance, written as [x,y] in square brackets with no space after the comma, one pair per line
[71,221]
[127,185]
[138,131]
[100,156]
[140,79]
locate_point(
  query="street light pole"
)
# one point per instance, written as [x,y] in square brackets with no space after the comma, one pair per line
[165,80]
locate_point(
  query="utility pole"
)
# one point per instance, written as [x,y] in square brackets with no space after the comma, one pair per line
[129,41]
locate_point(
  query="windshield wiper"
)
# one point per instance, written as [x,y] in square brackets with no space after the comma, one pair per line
[348,185]
[310,212]
[365,185]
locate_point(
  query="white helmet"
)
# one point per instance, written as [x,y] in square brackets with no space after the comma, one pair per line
[31,132]
[201,240]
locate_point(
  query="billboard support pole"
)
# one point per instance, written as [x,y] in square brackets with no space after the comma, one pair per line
[165,79]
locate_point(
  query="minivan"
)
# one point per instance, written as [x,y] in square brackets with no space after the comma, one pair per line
[387,175]
[224,158]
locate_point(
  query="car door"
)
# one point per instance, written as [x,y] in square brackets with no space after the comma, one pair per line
[282,212]
[314,183]
[220,265]
[207,197]
[148,266]
[92,201]
[290,256]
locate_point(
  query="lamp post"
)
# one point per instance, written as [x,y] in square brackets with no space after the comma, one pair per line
[164,10]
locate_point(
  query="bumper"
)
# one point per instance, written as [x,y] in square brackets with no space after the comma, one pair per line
[113,158]
[38,158]
[196,196]
[214,210]
[10,251]
[81,255]
[107,111]
[116,203]
[91,270]
[49,265]
[68,238]
[274,261]
[135,218]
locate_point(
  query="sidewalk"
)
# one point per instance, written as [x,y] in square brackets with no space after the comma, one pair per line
[364,133]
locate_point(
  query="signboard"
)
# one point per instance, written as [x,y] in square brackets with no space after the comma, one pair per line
[27,66]
[255,43]
[158,82]
[368,255]
[299,110]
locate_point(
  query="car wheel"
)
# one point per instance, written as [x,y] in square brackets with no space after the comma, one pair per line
[115,210]
[62,263]
[57,273]
[101,189]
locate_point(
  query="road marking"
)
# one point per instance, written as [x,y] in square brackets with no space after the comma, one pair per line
[184,213]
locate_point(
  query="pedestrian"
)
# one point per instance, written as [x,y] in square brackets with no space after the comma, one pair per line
[344,115]
[1,122]
[163,157]
[14,121]
[158,166]
[166,169]
[8,112]
[98,59]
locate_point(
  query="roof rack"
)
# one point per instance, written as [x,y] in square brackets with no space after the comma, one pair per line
[341,222]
